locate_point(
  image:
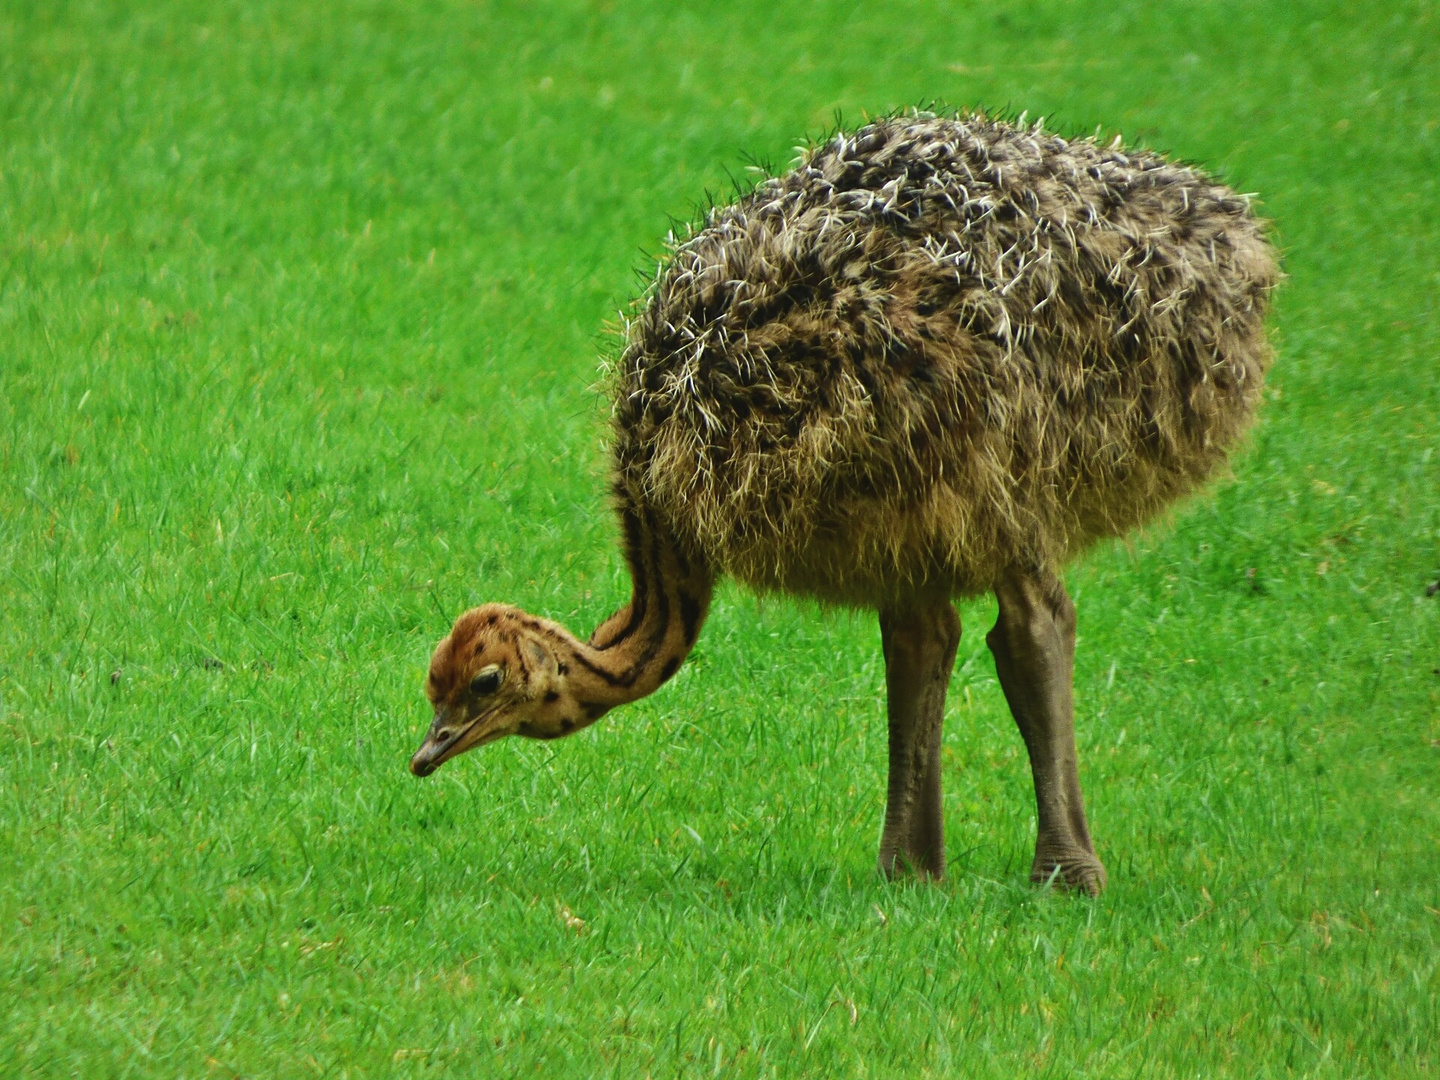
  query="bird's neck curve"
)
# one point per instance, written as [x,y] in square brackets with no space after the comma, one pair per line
[637,649]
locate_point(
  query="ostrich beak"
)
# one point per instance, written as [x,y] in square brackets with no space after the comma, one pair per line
[426,759]
[451,734]
[441,742]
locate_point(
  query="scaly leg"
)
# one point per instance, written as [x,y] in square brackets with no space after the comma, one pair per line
[1034,646]
[919,644]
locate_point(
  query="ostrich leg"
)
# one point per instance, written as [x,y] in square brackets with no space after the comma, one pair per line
[1034,646]
[919,644]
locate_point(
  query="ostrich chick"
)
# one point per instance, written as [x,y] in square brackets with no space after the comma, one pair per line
[939,357]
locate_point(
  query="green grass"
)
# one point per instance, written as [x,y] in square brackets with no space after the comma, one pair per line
[300,306]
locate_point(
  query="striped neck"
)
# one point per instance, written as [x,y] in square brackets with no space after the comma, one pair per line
[644,643]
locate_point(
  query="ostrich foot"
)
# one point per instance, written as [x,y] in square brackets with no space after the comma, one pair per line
[920,855]
[911,866]
[1069,868]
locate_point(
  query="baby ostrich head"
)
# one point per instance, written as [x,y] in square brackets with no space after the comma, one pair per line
[496,674]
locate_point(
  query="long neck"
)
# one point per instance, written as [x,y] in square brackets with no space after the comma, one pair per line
[644,643]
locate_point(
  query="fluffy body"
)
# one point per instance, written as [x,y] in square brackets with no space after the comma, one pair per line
[937,350]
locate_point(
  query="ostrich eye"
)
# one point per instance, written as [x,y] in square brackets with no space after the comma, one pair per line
[487,681]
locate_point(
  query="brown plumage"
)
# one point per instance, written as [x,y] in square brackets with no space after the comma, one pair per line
[940,356]
[937,348]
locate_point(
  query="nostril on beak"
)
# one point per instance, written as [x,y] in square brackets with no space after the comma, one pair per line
[444,734]
[424,763]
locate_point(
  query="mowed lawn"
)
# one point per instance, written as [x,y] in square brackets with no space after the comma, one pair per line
[301,308]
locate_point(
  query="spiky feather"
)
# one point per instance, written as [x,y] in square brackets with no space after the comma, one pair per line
[938,348]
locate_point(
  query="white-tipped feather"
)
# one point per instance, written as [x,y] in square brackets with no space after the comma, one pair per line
[939,348]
